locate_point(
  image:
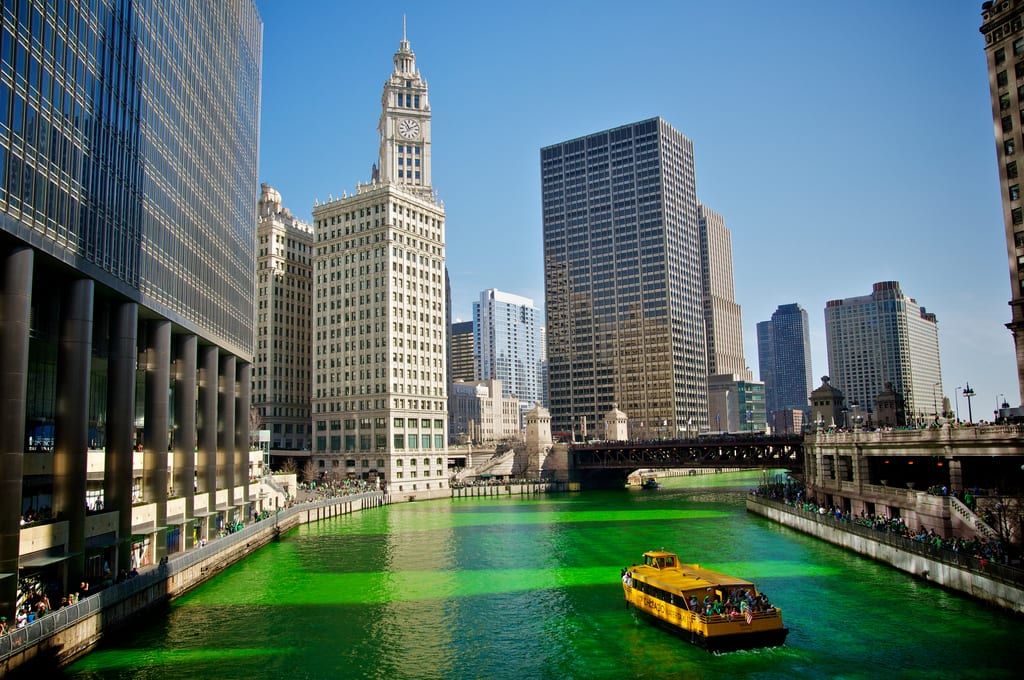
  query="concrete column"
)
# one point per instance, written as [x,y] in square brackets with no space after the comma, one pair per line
[185,426]
[956,475]
[206,454]
[226,428]
[243,401]
[15,312]
[71,423]
[118,467]
[155,435]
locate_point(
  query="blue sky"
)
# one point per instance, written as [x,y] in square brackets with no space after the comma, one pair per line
[844,143]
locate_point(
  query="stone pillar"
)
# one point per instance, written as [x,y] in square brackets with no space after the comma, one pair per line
[71,423]
[15,313]
[226,428]
[206,454]
[861,471]
[185,427]
[956,475]
[155,437]
[118,475]
[243,401]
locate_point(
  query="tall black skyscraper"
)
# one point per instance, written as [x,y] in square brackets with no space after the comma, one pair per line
[128,150]
[622,273]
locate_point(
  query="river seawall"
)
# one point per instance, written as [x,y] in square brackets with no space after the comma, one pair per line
[66,634]
[990,588]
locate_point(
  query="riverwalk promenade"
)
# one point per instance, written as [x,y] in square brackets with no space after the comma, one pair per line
[996,584]
[65,634]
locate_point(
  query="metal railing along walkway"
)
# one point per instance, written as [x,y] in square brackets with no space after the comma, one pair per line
[64,617]
[977,565]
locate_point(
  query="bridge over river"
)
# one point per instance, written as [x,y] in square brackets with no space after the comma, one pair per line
[607,464]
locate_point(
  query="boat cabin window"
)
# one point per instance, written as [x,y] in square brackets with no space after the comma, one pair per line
[660,562]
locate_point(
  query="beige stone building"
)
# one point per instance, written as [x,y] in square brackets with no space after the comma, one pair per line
[379,390]
[1003,28]
[723,319]
[284,297]
[481,414]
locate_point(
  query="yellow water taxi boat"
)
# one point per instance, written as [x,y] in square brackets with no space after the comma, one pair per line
[713,610]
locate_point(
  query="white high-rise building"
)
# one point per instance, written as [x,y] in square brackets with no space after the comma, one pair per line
[884,337]
[284,295]
[507,345]
[379,390]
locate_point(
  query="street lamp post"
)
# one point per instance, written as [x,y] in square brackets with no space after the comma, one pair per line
[968,392]
[956,397]
[935,401]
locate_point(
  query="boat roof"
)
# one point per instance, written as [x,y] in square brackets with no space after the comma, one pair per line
[686,577]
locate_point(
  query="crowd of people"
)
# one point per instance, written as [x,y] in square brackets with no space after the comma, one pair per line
[739,603]
[793,495]
[333,488]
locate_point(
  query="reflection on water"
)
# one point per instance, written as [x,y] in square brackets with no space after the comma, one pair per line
[503,588]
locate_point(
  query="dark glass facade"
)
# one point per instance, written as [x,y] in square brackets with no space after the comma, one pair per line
[622,275]
[784,358]
[125,156]
[128,154]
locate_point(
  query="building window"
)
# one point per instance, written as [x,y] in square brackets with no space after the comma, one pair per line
[1007,123]
[1001,79]
[1018,239]
[438,443]
[1017,215]
[1011,170]
[400,422]
[399,441]
[1015,192]
[1018,70]
[1000,56]
[1004,101]
[1009,147]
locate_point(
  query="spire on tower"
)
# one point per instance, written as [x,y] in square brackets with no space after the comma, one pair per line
[404,39]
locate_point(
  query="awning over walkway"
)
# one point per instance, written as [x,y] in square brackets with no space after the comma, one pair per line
[42,560]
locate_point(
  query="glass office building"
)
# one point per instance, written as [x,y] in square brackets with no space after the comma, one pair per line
[784,359]
[622,270]
[506,345]
[128,155]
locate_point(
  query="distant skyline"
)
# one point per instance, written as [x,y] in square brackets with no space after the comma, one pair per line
[840,147]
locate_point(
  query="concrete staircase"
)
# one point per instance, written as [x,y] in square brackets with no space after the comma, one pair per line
[967,517]
[499,465]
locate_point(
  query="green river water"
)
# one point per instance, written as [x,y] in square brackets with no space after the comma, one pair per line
[510,588]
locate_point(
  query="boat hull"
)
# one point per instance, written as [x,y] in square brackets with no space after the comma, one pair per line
[720,643]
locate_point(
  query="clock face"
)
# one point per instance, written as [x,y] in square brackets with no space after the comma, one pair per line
[409,128]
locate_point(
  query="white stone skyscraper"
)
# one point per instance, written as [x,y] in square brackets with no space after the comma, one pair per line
[284,295]
[507,345]
[379,390]
[723,319]
[884,337]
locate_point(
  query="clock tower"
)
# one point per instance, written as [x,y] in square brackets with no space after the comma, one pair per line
[405,125]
